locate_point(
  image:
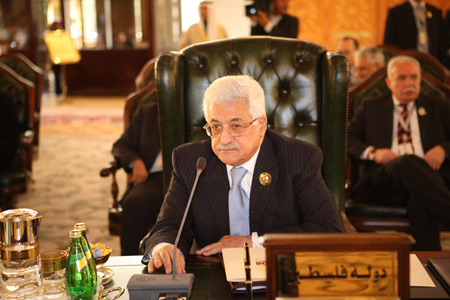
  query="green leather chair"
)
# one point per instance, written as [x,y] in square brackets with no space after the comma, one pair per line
[28,70]
[305,88]
[366,213]
[14,179]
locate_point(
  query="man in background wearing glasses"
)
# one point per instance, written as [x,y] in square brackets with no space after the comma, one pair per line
[255,182]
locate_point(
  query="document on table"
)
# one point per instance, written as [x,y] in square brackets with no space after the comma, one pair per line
[418,275]
[233,259]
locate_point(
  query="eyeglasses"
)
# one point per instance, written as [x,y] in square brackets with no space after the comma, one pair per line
[235,129]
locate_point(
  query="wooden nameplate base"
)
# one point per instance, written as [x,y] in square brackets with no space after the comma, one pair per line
[337,266]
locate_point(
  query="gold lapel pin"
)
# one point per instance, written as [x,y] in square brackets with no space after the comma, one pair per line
[429,14]
[265,178]
[421,111]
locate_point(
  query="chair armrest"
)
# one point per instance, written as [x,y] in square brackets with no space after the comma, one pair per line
[111,169]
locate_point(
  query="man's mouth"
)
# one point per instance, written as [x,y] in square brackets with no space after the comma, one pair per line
[228,147]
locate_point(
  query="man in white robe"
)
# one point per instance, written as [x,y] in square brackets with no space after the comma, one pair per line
[206,30]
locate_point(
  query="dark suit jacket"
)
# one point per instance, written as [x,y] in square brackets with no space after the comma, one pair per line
[373,125]
[401,30]
[297,199]
[141,139]
[287,27]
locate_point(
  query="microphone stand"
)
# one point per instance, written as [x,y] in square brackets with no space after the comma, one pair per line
[166,286]
[201,163]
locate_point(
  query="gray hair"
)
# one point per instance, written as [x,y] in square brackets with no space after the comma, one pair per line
[373,55]
[229,89]
[401,59]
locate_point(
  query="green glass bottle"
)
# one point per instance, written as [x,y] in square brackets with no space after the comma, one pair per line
[79,277]
[87,250]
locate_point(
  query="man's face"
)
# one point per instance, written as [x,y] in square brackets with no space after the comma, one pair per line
[404,81]
[230,150]
[348,47]
[363,68]
[281,6]
[203,11]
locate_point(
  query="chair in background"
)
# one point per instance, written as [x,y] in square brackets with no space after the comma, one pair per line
[305,88]
[430,64]
[28,70]
[21,91]
[145,95]
[146,76]
[389,51]
[370,215]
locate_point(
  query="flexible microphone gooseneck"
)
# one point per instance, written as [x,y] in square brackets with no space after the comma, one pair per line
[201,164]
[154,286]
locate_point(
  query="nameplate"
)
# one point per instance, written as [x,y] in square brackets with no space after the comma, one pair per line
[337,266]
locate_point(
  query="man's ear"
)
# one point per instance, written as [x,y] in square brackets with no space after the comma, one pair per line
[263,122]
[388,82]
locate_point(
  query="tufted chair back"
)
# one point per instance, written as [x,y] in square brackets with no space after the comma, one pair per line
[20,91]
[305,88]
[28,70]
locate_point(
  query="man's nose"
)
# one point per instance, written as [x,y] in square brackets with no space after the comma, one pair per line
[225,136]
[409,81]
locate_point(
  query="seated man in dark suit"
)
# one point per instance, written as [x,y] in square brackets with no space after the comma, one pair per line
[280,189]
[275,23]
[404,142]
[9,132]
[139,149]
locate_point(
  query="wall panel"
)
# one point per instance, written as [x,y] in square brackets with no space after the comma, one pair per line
[325,21]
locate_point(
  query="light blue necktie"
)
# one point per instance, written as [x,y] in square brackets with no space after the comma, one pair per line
[238,204]
[421,23]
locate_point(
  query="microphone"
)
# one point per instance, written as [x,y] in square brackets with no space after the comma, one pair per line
[165,286]
[201,164]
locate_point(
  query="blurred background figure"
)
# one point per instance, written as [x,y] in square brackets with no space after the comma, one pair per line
[367,61]
[349,45]
[417,25]
[272,19]
[207,29]
[57,25]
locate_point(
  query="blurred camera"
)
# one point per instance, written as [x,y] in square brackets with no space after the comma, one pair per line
[252,9]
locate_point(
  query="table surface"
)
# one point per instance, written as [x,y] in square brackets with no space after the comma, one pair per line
[204,288]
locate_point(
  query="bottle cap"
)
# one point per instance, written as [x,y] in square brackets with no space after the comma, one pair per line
[79,226]
[75,233]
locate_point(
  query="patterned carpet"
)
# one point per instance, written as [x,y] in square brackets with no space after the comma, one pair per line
[75,143]
[74,146]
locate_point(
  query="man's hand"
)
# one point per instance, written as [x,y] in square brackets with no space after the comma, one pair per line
[163,258]
[140,172]
[384,155]
[228,241]
[435,157]
[262,19]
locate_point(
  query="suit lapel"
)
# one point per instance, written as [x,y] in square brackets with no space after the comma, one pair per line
[387,115]
[218,188]
[261,195]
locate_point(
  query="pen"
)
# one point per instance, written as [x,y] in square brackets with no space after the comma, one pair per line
[248,273]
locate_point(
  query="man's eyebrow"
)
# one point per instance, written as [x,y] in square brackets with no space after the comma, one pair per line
[231,120]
